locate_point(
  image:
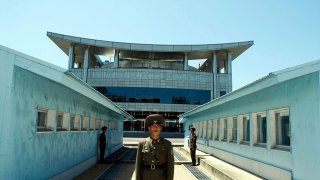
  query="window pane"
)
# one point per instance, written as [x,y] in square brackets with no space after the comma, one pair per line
[42,117]
[263,130]
[155,95]
[285,130]
[59,120]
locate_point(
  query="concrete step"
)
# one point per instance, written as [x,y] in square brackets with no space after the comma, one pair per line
[217,167]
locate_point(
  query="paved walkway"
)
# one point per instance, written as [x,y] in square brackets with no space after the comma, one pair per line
[121,165]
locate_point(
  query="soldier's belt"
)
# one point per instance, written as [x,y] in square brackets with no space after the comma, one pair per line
[153,166]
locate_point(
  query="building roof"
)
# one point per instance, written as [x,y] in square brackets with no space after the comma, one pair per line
[161,51]
[271,79]
[63,77]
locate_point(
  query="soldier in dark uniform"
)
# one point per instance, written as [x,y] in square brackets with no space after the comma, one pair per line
[154,155]
[193,145]
[102,143]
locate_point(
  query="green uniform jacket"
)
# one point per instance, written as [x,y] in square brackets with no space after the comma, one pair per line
[158,152]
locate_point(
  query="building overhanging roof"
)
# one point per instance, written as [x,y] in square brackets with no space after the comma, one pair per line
[271,79]
[107,47]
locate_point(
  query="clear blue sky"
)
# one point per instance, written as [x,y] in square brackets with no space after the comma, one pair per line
[285,33]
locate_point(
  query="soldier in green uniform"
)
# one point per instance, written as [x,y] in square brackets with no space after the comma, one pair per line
[154,155]
[193,145]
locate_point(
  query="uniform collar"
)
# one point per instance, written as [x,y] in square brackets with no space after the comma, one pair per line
[154,140]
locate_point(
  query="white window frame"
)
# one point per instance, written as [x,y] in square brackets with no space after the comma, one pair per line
[42,126]
[278,134]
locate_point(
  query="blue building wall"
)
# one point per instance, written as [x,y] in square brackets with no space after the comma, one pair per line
[26,153]
[296,89]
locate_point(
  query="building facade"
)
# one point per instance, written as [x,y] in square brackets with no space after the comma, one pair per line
[51,120]
[151,78]
[269,127]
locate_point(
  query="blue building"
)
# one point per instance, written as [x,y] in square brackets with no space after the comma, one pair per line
[269,127]
[50,120]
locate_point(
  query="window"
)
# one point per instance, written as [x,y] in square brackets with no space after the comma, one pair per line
[218,130]
[282,128]
[246,128]
[42,118]
[85,123]
[61,125]
[74,123]
[215,130]
[205,127]
[98,124]
[209,130]
[46,119]
[155,95]
[222,93]
[201,129]
[234,129]
[92,123]
[104,123]
[225,129]
[262,128]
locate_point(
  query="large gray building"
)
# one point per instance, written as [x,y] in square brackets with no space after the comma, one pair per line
[152,78]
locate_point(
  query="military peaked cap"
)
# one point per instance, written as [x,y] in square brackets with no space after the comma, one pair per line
[155,119]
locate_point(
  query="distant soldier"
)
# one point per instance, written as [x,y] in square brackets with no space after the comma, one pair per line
[102,143]
[154,155]
[193,145]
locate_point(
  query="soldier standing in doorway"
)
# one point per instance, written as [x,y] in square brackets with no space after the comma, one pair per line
[193,145]
[102,143]
[155,154]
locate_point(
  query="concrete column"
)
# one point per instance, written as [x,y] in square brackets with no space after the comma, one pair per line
[116,58]
[271,129]
[86,65]
[253,129]
[186,64]
[230,71]
[240,129]
[71,57]
[214,72]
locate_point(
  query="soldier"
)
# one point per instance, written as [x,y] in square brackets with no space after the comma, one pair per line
[154,155]
[193,145]
[102,143]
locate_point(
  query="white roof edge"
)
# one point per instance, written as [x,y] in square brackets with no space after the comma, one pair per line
[34,59]
[264,82]
[61,75]
[155,47]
